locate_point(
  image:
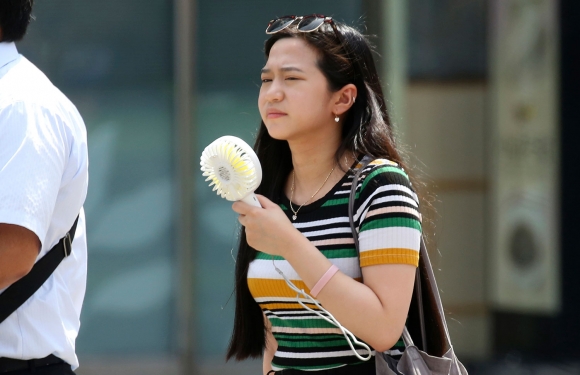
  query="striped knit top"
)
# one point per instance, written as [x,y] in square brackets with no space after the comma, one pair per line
[389,224]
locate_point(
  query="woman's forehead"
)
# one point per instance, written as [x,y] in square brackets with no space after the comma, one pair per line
[293,52]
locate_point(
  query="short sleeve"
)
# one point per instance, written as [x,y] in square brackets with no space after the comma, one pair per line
[388,216]
[32,159]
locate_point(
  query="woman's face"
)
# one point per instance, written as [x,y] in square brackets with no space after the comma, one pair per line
[294,99]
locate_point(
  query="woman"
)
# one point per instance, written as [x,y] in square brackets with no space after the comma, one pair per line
[322,110]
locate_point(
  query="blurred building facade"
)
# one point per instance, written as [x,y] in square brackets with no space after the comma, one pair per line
[482,95]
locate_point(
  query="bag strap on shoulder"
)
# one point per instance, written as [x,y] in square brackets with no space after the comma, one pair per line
[19,292]
[423,254]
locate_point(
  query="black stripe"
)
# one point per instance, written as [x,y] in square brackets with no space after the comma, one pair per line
[316,336]
[326,349]
[329,361]
[389,215]
[307,314]
[389,193]
[329,236]
[308,338]
[374,206]
[289,302]
[314,228]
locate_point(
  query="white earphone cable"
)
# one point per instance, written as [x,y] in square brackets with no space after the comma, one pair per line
[350,338]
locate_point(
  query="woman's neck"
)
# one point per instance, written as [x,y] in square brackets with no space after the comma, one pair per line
[313,163]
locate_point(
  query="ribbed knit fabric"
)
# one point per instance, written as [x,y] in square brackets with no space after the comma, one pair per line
[389,226]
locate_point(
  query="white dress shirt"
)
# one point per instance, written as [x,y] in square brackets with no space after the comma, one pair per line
[43,185]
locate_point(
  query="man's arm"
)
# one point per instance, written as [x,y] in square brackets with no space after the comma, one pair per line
[19,248]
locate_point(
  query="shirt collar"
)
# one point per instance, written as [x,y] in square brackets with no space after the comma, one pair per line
[8,53]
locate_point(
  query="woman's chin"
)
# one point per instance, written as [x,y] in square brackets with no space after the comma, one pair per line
[277,134]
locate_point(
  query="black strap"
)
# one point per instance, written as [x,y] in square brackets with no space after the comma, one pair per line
[417,290]
[19,292]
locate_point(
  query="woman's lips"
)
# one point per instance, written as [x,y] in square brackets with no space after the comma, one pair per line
[272,114]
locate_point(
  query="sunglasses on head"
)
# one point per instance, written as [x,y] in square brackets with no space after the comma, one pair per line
[306,24]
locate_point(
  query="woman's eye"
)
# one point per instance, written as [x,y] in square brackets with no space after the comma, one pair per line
[265,80]
[291,78]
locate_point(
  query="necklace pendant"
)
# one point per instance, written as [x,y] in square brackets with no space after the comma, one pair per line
[293,217]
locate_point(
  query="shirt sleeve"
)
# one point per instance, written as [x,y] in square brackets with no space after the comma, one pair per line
[33,154]
[389,218]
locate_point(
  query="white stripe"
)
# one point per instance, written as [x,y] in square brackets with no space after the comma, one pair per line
[384,188]
[314,317]
[390,238]
[302,312]
[341,353]
[264,269]
[276,368]
[307,331]
[395,198]
[317,223]
[324,232]
[394,209]
[274,299]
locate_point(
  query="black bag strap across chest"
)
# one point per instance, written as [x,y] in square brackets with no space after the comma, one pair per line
[19,292]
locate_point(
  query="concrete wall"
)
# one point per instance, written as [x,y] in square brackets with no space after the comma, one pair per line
[445,132]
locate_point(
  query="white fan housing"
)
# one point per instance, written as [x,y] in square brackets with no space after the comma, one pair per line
[233,168]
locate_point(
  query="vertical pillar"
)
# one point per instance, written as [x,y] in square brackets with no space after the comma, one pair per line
[183,54]
[387,20]
[393,69]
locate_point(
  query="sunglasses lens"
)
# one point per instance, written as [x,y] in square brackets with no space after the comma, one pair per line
[310,23]
[279,24]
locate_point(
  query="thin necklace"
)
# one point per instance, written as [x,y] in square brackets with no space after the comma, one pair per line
[316,192]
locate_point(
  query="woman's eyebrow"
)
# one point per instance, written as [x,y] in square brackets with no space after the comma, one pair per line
[284,69]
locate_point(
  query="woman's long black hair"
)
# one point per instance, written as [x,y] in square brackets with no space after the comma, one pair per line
[366,130]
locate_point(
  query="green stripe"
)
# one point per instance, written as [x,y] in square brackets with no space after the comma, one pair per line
[383,170]
[330,254]
[283,207]
[335,202]
[340,253]
[301,323]
[399,345]
[311,337]
[391,222]
[339,201]
[311,344]
[264,256]
[312,367]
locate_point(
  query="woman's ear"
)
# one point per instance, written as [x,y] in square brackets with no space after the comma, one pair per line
[343,99]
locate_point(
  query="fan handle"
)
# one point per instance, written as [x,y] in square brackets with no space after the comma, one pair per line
[251,200]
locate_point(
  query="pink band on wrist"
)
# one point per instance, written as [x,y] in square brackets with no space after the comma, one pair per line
[323,280]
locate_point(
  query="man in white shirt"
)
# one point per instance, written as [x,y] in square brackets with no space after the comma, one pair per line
[43,185]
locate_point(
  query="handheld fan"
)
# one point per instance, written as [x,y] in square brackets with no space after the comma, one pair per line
[233,168]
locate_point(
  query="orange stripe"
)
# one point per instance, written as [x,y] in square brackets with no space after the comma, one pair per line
[260,288]
[274,287]
[389,256]
[286,306]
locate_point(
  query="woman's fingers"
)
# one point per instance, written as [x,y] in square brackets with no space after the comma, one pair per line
[265,227]
[240,207]
[265,202]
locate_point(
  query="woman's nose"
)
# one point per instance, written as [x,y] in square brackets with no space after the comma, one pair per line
[274,92]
